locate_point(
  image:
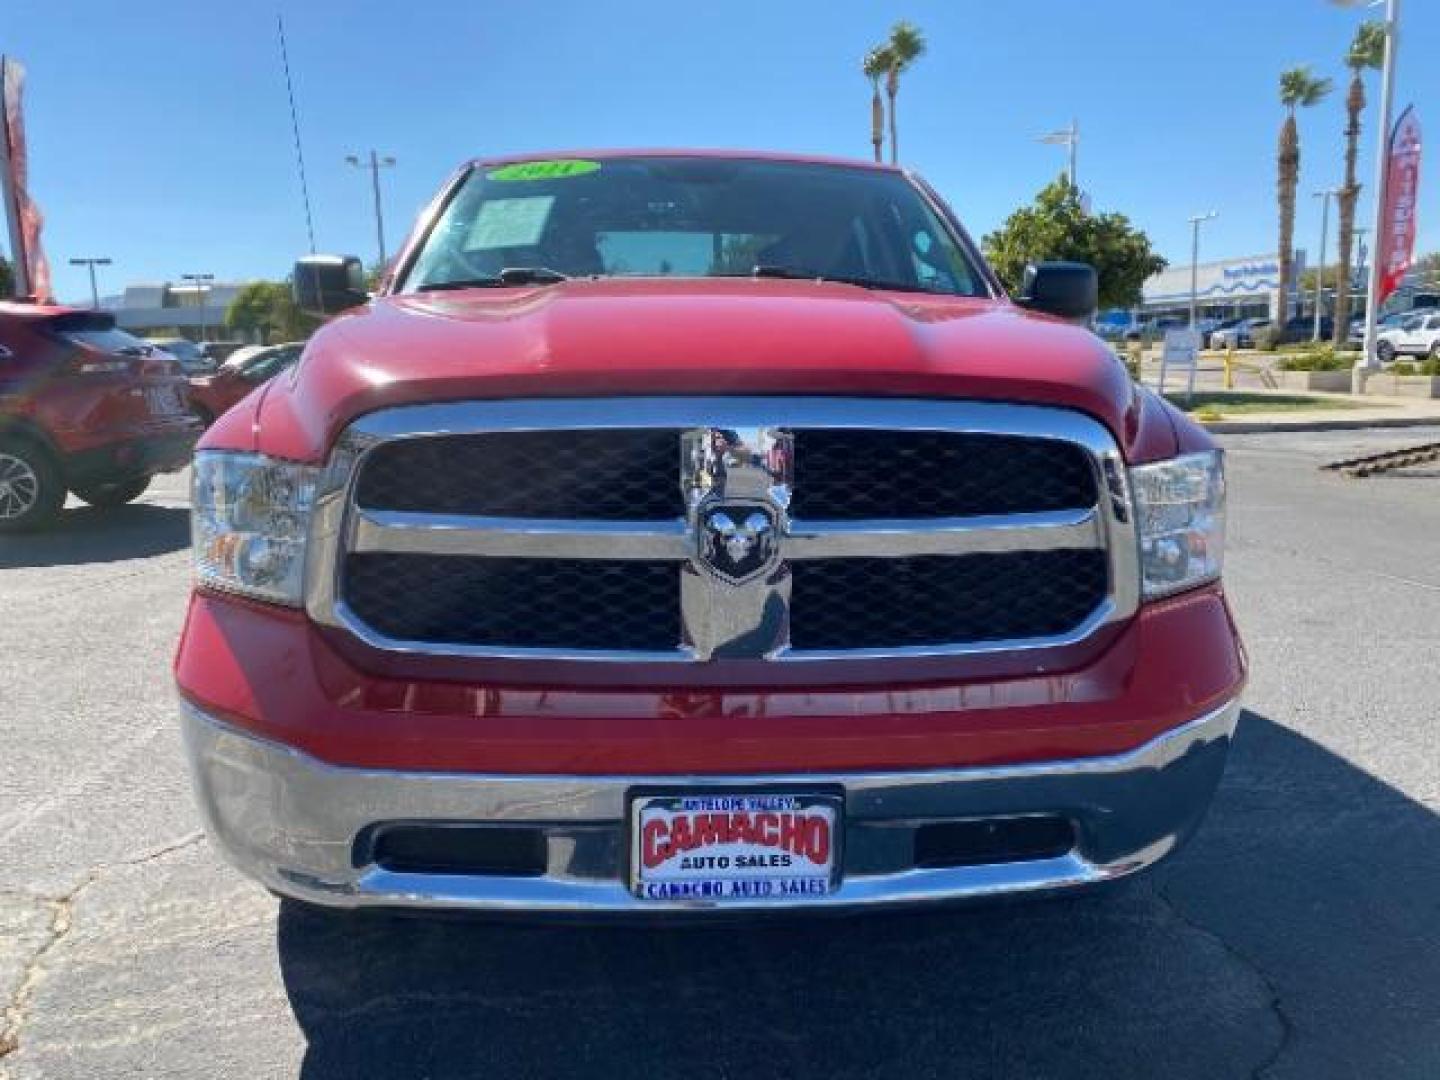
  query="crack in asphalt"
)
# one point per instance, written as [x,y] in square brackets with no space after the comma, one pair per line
[1277,1007]
[62,907]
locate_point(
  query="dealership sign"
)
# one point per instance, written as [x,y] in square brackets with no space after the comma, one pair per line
[1397,216]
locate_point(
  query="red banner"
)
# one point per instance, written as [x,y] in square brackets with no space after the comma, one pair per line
[32,269]
[1396,249]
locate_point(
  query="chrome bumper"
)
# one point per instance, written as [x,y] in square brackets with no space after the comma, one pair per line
[291,822]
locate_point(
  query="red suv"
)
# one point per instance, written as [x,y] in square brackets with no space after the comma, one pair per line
[84,407]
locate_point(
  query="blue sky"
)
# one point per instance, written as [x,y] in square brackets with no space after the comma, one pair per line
[160,135]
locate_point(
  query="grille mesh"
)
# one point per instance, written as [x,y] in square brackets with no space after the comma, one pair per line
[524,603]
[943,599]
[852,475]
[620,475]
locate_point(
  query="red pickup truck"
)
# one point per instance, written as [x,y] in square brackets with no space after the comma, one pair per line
[685,531]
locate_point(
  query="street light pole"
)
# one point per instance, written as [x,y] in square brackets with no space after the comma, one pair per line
[375,164]
[1366,361]
[202,286]
[91,264]
[1195,223]
[1325,197]
[1068,137]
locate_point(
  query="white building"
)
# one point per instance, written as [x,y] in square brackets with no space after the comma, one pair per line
[1229,288]
[193,311]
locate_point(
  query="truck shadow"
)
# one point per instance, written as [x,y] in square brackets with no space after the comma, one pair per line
[1301,918]
[87,535]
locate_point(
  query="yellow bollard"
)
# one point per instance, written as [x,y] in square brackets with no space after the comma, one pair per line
[1229,371]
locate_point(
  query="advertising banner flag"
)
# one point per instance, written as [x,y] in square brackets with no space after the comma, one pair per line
[32,271]
[1395,250]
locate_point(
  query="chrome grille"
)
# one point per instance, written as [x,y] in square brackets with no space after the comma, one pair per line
[852,475]
[602,475]
[699,529]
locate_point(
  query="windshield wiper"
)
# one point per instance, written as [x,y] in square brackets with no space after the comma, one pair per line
[790,273]
[511,275]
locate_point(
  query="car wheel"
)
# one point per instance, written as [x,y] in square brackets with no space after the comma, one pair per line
[109,496]
[31,488]
[1385,352]
[1435,349]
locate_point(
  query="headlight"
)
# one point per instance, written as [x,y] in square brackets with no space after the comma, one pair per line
[1180,516]
[249,521]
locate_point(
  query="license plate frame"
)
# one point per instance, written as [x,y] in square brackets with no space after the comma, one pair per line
[720,885]
[164,401]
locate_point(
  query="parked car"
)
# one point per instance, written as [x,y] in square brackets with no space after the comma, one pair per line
[1113,325]
[192,360]
[85,408]
[1302,328]
[1419,335]
[247,368]
[818,574]
[1239,335]
[216,353]
[1385,322]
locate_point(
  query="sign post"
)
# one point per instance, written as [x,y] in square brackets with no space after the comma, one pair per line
[1182,349]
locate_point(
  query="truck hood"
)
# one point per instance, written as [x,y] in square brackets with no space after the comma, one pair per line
[629,337]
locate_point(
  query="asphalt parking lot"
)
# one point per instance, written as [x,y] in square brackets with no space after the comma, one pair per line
[1298,936]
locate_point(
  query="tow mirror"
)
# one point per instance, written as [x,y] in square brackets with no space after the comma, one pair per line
[327,284]
[1070,290]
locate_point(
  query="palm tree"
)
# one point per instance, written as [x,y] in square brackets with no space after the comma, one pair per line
[1366,51]
[876,63]
[1298,89]
[905,46]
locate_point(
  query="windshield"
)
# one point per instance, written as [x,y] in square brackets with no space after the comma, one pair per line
[692,217]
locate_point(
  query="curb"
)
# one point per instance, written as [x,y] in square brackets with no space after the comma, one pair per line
[1264,427]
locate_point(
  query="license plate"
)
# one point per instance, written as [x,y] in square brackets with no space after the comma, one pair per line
[714,848]
[163,400]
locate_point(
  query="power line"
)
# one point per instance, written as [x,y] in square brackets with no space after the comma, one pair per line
[295,126]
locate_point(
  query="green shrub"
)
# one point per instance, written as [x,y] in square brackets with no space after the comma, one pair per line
[1267,338]
[1406,367]
[1314,357]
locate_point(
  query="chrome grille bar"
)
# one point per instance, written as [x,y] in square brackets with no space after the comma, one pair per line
[400,532]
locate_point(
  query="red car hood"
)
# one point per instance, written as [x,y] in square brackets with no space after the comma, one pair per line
[615,337]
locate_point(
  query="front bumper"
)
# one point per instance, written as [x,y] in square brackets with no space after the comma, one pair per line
[295,823]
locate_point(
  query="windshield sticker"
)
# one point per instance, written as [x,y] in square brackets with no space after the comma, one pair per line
[508,223]
[543,170]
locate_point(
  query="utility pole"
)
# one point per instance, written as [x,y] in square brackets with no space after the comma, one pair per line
[91,264]
[1325,196]
[1195,223]
[375,164]
[202,286]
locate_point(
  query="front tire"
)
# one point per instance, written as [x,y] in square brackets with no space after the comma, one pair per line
[31,488]
[109,496]
[1384,352]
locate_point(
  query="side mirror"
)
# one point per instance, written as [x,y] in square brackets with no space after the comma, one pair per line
[327,284]
[1070,290]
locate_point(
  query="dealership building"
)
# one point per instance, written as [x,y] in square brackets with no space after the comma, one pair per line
[1230,288]
[193,311]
